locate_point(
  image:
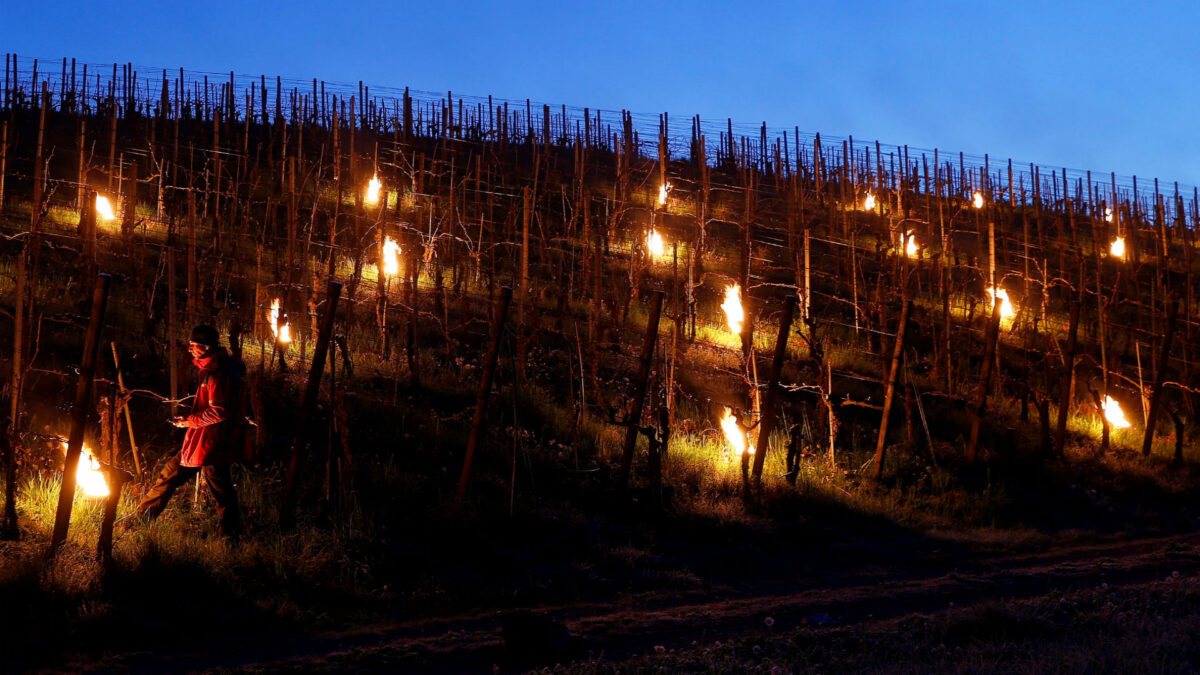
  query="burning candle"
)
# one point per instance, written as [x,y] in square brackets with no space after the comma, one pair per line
[1117,248]
[869,202]
[977,199]
[654,244]
[391,257]
[373,186]
[104,208]
[1114,414]
[734,314]
[1000,295]
[88,475]
[734,434]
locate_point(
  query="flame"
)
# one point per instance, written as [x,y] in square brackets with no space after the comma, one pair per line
[88,476]
[869,202]
[1117,249]
[104,208]
[282,333]
[910,244]
[1108,215]
[662,193]
[977,199]
[734,314]
[654,244]
[373,187]
[1114,414]
[1006,307]
[391,257]
[734,434]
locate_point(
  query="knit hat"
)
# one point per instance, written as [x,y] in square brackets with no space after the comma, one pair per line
[206,335]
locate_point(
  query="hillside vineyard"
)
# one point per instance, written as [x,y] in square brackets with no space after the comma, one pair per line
[1064,299]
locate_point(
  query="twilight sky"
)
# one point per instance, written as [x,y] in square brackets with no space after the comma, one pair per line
[1084,85]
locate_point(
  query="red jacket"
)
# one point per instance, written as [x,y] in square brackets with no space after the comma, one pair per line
[217,412]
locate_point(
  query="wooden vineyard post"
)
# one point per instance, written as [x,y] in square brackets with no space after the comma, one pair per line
[333,290]
[890,390]
[944,278]
[807,273]
[1180,430]
[1064,381]
[991,338]
[133,449]
[410,344]
[39,177]
[768,417]
[1102,316]
[991,254]
[83,394]
[129,201]
[381,282]
[87,231]
[193,278]
[523,291]
[3,159]
[116,479]
[485,388]
[1164,357]
[8,526]
[659,442]
[16,384]
[172,328]
[640,384]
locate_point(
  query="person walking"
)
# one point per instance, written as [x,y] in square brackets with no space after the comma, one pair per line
[211,442]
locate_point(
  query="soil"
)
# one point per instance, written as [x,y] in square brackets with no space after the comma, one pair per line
[924,576]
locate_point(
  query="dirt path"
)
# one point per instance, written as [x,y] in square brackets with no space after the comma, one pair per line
[637,624]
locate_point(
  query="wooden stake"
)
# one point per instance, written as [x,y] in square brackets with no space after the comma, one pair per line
[193,274]
[890,390]
[485,388]
[639,393]
[116,479]
[1064,381]
[523,289]
[991,339]
[8,527]
[807,274]
[333,290]
[83,395]
[1180,430]
[39,167]
[18,359]
[112,145]
[3,159]
[133,448]
[768,418]
[172,328]
[1160,373]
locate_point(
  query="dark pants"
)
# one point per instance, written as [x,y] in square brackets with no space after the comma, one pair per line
[216,479]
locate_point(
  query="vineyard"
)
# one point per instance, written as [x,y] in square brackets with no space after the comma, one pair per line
[467,311]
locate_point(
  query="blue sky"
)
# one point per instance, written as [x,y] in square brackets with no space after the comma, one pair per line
[1066,83]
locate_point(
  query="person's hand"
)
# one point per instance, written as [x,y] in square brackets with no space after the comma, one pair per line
[180,422]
